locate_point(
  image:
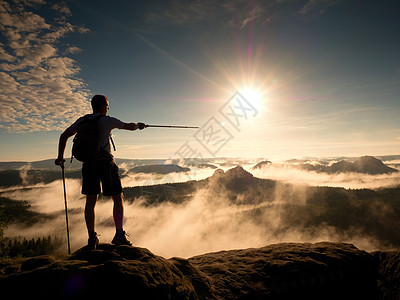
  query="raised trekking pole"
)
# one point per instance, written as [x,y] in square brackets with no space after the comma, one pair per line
[171,126]
[65,202]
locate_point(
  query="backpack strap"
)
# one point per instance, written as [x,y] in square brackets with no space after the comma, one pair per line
[112,141]
[110,138]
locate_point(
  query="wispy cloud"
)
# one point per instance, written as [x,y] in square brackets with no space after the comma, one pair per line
[73,50]
[235,13]
[313,8]
[62,9]
[40,87]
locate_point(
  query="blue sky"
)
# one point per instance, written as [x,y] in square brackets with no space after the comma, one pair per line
[327,73]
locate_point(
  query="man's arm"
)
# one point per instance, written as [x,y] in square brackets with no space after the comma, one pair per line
[61,146]
[133,126]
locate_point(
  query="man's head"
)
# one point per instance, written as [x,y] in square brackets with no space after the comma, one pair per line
[100,104]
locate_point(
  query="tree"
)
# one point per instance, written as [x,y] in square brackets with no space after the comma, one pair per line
[3,225]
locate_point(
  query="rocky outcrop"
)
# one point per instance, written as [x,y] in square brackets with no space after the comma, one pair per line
[291,271]
[106,272]
[388,274]
[280,271]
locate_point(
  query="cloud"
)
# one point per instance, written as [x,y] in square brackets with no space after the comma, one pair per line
[315,8]
[62,9]
[217,216]
[73,50]
[236,13]
[40,88]
[349,180]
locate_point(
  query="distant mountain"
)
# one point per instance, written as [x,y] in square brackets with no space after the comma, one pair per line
[49,163]
[238,185]
[365,165]
[235,180]
[123,162]
[40,164]
[262,164]
[10,178]
[159,169]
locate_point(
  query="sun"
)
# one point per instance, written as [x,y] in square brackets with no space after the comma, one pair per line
[254,96]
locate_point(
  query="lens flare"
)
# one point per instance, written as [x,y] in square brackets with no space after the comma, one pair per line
[253,96]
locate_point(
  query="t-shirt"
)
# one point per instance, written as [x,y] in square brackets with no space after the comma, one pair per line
[105,124]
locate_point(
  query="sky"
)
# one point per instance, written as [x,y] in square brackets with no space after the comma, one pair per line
[275,79]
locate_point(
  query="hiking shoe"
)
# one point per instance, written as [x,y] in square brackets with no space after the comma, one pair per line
[120,239]
[93,241]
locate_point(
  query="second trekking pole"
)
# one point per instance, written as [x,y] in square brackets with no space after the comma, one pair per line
[66,209]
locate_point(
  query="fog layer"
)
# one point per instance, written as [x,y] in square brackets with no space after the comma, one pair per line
[231,210]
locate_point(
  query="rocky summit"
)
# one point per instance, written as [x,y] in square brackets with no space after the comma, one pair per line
[281,271]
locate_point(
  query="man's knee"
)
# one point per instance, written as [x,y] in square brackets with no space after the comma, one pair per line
[118,198]
[91,200]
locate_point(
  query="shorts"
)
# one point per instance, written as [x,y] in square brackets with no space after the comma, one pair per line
[105,172]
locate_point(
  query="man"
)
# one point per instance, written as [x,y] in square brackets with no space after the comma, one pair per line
[101,169]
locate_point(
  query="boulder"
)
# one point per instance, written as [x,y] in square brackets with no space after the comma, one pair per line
[281,271]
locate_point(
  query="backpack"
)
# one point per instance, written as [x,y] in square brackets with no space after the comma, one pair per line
[87,145]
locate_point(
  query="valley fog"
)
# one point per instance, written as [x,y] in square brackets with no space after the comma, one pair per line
[230,210]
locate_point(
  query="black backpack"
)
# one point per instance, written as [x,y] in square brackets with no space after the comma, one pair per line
[87,145]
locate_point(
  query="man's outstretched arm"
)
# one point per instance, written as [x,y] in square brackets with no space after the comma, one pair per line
[61,146]
[133,126]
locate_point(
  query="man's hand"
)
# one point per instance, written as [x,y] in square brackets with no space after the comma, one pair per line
[59,161]
[134,126]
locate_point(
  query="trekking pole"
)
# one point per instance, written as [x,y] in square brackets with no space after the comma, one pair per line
[66,209]
[171,126]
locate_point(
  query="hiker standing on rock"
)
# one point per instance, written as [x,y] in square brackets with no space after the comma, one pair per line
[92,147]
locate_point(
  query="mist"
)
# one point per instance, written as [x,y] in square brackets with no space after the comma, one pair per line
[348,180]
[233,210]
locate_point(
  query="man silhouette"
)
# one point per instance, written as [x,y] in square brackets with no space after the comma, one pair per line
[100,170]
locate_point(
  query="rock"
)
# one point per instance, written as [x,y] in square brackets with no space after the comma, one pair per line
[235,180]
[109,271]
[201,282]
[388,274]
[37,262]
[291,271]
[281,271]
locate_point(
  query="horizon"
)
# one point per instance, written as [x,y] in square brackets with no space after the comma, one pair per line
[222,157]
[312,80]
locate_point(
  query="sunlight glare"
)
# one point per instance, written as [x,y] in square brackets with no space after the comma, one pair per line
[253,96]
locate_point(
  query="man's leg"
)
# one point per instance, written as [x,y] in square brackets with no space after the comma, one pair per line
[118,214]
[89,212]
[118,211]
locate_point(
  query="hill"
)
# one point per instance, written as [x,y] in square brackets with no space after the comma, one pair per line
[49,163]
[262,164]
[159,169]
[238,185]
[365,165]
[280,271]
